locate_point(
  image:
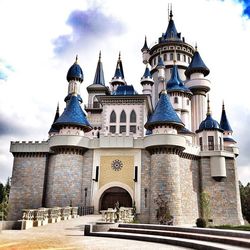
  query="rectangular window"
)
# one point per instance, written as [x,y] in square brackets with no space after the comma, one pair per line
[171,56]
[200,141]
[184,58]
[132,129]
[112,129]
[165,57]
[178,57]
[210,143]
[96,105]
[122,129]
[220,143]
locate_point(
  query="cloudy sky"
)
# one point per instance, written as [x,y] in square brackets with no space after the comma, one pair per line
[40,39]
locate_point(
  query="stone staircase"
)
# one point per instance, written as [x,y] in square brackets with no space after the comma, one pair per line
[195,238]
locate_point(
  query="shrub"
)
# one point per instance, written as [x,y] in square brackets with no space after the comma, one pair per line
[201,222]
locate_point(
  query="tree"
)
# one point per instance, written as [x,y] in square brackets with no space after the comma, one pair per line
[4,198]
[245,200]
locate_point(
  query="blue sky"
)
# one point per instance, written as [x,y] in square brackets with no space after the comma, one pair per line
[40,39]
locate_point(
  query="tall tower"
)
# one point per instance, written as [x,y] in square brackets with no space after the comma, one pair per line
[162,54]
[199,85]
[165,145]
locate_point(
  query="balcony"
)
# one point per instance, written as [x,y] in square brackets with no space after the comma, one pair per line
[93,108]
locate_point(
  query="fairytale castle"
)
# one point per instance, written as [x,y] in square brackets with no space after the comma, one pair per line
[131,147]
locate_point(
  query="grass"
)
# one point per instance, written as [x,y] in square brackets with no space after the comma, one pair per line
[230,227]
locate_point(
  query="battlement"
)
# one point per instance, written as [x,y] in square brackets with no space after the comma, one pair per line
[29,146]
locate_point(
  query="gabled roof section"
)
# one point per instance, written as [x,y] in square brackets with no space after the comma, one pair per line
[73,115]
[197,65]
[171,32]
[224,124]
[99,75]
[75,72]
[125,90]
[164,114]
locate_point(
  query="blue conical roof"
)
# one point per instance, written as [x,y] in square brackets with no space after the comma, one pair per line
[75,72]
[171,32]
[175,83]
[197,65]
[145,46]
[164,114]
[73,115]
[147,77]
[224,124]
[160,62]
[99,75]
[53,128]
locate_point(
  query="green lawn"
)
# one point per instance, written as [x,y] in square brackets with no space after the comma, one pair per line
[242,227]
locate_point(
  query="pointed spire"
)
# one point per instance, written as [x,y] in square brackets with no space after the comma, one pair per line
[208,106]
[197,65]
[76,61]
[224,124]
[164,114]
[118,77]
[99,75]
[171,13]
[147,77]
[53,129]
[145,46]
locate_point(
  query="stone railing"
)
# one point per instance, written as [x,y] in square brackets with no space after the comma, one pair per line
[123,215]
[43,216]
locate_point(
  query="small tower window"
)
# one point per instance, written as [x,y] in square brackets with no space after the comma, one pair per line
[187,102]
[122,129]
[178,57]
[113,116]
[112,129]
[200,142]
[165,57]
[184,58]
[154,61]
[132,116]
[132,129]
[176,100]
[123,116]
[220,143]
[171,56]
[210,143]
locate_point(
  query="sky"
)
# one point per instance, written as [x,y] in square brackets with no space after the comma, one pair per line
[40,39]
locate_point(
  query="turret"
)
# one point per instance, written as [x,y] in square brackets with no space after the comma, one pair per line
[180,97]
[227,133]
[210,136]
[74,78]
[145,52]
[199,85]
[118,78]
[147,82]
[97,88]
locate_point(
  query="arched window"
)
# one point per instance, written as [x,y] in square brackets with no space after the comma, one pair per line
[113,116]
[123,116]
[176,99]
[132,116]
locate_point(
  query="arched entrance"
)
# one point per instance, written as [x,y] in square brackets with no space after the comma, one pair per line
[112,195]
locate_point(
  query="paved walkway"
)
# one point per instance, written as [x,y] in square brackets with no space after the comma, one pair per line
[67,235]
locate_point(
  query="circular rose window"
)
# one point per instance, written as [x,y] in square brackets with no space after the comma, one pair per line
[116,165]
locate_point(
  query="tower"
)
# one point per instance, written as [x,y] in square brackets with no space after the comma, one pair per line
[199,85]
[147,82]
[165,146]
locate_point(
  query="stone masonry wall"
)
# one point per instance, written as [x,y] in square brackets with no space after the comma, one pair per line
[68,176]
[26,184]
[224,195]
[165,180]
[189,179]
[145,187]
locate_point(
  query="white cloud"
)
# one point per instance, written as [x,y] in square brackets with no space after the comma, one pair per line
[30,94]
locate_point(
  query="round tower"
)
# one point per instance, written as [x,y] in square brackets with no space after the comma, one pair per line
[165,145]
[199,85]
[147,82]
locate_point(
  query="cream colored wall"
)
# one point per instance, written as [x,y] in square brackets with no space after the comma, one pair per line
[110,178]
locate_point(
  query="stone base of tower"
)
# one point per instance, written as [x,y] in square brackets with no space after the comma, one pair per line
[223,194]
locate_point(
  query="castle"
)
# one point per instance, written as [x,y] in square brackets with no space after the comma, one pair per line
[132,147]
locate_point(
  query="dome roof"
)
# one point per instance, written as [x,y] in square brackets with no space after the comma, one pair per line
[164,114]
[73,115]
[75,72]
[209,124]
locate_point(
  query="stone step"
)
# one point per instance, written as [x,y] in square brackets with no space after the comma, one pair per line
[187,243]
[241,242]
[207,231]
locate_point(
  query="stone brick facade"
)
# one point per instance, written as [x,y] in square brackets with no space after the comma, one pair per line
[27,183]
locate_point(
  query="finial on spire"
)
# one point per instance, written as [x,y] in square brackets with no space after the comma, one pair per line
[76,59]
[57,108]
[208,106]
[171,12]
[119,57]
[100,55]
[196,48]
[223,105]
